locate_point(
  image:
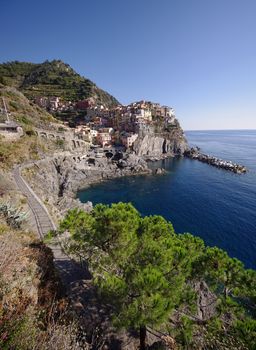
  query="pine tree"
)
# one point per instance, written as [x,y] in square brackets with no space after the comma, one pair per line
[140,262]
[146,271]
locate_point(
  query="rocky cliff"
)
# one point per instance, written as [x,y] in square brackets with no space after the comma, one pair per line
[56,180]
[159,140]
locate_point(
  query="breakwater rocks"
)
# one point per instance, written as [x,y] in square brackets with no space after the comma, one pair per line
[194,153]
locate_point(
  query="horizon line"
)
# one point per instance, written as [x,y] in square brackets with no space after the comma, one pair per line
[220,130]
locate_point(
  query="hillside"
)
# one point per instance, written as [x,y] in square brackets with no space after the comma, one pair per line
[34,312]
[29,116]
[54,78]
[22,110]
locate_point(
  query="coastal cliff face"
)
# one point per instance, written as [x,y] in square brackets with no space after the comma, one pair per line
[56,180]
[159,141]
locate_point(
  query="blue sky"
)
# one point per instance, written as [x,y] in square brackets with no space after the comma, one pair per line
[198,56]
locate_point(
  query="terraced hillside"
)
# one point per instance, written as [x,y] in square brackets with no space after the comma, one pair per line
[23,111]
[54,78]
[29,116]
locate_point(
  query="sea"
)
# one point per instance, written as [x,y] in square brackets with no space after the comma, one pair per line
[214,204]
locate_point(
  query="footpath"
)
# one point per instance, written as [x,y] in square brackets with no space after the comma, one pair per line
[94,316]
[70,271]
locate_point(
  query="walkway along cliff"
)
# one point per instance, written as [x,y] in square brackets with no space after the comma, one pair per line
[70,272]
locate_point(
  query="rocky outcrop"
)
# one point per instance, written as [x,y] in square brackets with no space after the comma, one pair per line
[206,301]
[159,141]
[160,171]
[151,146]
[57,180]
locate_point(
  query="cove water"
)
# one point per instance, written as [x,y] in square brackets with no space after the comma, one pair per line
[214,204]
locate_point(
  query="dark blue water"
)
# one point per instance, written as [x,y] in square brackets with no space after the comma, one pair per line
[215,204]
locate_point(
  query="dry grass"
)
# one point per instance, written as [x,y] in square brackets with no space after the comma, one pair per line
[16,152]
[62,337]
[32,315]
[29,116]
[24,149]
[24,111]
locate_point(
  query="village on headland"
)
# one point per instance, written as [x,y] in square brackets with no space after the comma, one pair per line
[106,127]
[99,129]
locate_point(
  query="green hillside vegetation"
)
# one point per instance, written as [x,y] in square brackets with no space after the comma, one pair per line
[148,274]
[23,111]
[29,116]
[53,78]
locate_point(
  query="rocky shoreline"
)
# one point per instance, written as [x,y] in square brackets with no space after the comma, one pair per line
[194,153]
[57,180]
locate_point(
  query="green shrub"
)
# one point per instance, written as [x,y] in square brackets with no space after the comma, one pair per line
[23,119]
[14,105]
[60,143]
[30,132]
[14,216]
